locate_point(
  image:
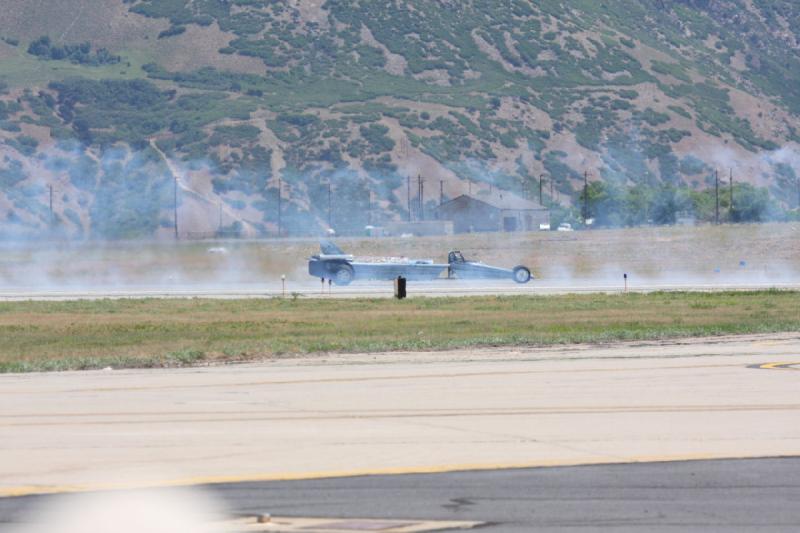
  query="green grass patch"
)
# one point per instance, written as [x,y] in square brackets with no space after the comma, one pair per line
[25,70]
[43,336]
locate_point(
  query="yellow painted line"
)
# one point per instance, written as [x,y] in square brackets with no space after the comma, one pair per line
[780,366]
[31,490]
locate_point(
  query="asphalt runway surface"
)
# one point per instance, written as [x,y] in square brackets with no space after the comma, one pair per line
[440,288]
[671,434]
[723,495]
[740,495]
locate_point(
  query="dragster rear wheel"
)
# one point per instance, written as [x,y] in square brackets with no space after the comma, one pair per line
[343,275]
[521,274]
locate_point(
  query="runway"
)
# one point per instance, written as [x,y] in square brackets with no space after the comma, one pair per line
[717,496]
[441,288]
[308,420]
[410,412]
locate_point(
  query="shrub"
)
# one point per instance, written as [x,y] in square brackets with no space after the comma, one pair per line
[76,53]
[375,135]
[172,31]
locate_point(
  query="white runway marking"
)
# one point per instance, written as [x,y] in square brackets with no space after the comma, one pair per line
[366,290]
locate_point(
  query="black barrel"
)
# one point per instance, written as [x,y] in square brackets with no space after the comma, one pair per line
[400,287]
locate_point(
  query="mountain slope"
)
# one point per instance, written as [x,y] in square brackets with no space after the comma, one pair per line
[239,94]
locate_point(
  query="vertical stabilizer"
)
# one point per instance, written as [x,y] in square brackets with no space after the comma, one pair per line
[328,248]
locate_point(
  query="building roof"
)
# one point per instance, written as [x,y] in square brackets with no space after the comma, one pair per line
[500,199]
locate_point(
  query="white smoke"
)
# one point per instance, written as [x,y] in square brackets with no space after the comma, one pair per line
[44,266]
[157,511]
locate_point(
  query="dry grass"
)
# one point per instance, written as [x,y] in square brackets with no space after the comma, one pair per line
[143,333]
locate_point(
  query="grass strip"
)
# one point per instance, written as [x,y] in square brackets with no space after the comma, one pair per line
[45,336]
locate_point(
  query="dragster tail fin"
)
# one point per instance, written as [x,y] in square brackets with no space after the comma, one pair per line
[328,248]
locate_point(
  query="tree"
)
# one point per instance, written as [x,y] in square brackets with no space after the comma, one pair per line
[667,202]
[702,204]
[752,204]
[40,47]
[636,205]
[605,203]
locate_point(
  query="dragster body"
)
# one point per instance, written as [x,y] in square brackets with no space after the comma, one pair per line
[333,264]
[460,268]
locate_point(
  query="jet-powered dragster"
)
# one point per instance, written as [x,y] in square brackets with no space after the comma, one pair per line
[333,264]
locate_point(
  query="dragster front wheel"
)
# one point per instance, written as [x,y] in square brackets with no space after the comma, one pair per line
[521,274]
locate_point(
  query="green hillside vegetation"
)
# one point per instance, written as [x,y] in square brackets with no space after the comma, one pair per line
[358,92]
[81,54]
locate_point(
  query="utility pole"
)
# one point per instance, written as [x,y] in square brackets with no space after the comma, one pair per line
[175,204]
[541,178]
[716,195]
[369,205]
[52,217]
[551,189]
[420,197]
[330,219]
[798,192]
[280,195]
[585,195]
[408,199]
[730,209]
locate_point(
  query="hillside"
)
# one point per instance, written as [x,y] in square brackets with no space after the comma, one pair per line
[107,101]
